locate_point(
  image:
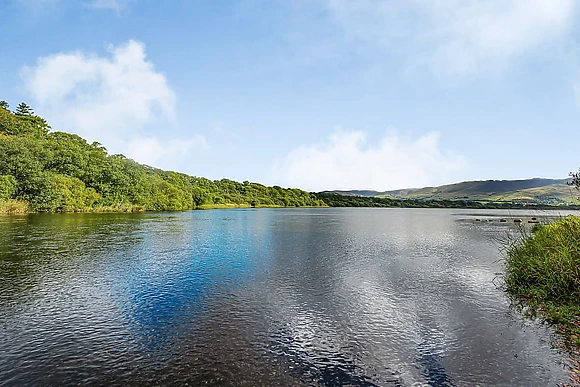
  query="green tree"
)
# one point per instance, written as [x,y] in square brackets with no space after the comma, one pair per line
[72,194]
[575,179]
[8,186]
[4,105]
[59,172]
[11,124]
[23,110]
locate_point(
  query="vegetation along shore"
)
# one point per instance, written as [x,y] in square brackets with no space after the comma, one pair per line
[543,279]
[50,171]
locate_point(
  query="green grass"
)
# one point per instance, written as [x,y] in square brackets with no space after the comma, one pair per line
[223,205]
[543,279]
[13,207]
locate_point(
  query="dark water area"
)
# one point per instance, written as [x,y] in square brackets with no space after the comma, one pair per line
[266,297]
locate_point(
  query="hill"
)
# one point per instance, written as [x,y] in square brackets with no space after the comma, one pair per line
[365,193]
[541,191]
[546,191]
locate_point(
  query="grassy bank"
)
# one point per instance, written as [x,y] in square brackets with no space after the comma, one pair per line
[543,278]
[14,207]
[246,205]
[18,207]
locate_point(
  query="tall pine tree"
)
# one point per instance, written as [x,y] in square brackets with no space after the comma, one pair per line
[23,110]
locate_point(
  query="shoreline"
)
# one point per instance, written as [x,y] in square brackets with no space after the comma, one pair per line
[542,279]
[21,207]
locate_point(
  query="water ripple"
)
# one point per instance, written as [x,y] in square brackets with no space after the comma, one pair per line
[327,297]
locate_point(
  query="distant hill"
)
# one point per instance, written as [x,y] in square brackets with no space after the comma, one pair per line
[366,193]
[537,190]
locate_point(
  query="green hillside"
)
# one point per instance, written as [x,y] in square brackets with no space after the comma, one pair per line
[533,191]
[557,193]
[365,193]
[49,171]
[545,191]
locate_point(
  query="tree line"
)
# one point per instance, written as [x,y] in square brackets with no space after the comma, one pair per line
[54,171]
[50,171]
[338,200]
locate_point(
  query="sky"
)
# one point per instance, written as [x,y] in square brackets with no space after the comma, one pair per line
[313,94]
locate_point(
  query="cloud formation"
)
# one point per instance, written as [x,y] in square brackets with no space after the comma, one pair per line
[456,36]
[112,99]
[93,95]
[347,161]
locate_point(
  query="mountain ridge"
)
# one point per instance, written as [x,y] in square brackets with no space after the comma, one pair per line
[533,190]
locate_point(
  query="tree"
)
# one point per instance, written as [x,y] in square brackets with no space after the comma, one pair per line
[8,185]
[57,171]
[23,110]
[575,179]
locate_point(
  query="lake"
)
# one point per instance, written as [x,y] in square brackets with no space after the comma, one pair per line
[363,297]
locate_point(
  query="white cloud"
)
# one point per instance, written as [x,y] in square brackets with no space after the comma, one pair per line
[120,100]
[150,150]
[347,161]
[94,95]
[456,36]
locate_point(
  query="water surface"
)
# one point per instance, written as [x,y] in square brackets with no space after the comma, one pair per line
[365,297]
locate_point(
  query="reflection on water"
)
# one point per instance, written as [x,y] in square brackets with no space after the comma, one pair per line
[361,297]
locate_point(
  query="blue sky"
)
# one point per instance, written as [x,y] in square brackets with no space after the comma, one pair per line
[315,94]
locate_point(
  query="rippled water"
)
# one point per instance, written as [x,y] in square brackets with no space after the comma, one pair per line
[365,297]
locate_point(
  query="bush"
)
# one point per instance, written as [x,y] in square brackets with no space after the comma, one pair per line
[12,206]
[547,263]
[8,185]
[543,275]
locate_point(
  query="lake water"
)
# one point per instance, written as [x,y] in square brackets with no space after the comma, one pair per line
[363,297]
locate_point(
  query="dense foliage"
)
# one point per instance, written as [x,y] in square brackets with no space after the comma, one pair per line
[543,273]
[575,179]
[50,171]
[337,200]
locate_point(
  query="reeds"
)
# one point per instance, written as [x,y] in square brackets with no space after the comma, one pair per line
[543,278]
[14,207]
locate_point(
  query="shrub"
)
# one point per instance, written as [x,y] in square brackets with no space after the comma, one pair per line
[8,185]
[543,275]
